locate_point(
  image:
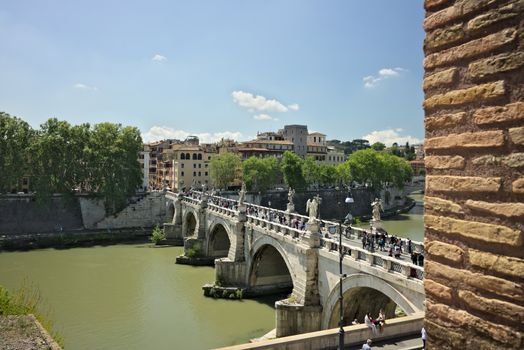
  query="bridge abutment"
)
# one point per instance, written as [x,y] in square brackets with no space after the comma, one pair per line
[295,318]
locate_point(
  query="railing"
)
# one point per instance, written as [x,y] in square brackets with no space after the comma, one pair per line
[396,267]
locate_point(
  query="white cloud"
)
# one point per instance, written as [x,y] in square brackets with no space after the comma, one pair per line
[257,102]
[263,117]
[159,58]
[390,136]
[163,132]
[85,87]
[371,81]
[294,106]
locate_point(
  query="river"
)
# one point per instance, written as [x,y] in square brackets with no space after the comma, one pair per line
[133,297]
[136,297]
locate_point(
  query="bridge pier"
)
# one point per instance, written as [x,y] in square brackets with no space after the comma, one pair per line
[295,318]
[173,229]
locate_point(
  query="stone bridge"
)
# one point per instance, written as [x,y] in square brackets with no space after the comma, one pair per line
[259,256]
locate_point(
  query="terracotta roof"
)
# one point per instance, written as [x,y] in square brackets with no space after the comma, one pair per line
[273,142]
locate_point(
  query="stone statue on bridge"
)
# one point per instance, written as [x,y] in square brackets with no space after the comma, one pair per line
[242,194]
[377,208]
[312,208]
[290,204]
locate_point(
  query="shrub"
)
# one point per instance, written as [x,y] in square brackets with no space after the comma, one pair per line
[194,250]
[157,235]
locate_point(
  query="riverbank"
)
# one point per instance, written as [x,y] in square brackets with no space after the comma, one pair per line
[76,238]
[21,332]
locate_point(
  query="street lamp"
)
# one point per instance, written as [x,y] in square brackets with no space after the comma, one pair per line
[349,199]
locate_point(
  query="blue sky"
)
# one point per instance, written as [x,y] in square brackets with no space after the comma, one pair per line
[217,68]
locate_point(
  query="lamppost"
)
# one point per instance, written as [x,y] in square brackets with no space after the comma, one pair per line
[349,199]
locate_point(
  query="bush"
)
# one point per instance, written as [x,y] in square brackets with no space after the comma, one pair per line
[157,235]
[194,250]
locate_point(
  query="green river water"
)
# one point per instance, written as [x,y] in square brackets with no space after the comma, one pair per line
[136,297]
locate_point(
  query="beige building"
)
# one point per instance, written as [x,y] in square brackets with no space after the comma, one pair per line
[187,165]
[335,156]
[316,146]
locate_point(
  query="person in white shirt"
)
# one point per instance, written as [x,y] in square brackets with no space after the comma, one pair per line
[423,334]
[367,345]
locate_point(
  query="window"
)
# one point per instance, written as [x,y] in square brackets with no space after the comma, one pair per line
[194,166]
[208,157]
[182,165]
[188,156]
[199,173]
[194,173]
[182,173]
[200,156]
[199,166]
[314,139]
[205,165]
[194,156]
[206,174]
[183,156]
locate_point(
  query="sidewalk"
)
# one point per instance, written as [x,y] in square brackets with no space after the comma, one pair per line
[405,343]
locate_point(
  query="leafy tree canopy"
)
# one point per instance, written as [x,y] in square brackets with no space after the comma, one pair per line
[224,169]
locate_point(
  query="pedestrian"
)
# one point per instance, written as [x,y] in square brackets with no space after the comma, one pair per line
[367,345]
[423,335]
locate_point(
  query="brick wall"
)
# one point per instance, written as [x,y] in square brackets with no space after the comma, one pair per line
[474,220]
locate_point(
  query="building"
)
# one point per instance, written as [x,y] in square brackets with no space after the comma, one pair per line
[316,146]
[144,159]
[298,136]
[187,164]
[335,156]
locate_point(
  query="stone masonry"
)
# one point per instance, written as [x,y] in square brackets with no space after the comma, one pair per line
[474,220]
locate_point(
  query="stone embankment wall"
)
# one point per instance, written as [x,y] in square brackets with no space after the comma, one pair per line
[474,117]
[21,214]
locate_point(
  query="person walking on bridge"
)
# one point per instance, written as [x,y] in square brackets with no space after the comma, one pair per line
[367,345]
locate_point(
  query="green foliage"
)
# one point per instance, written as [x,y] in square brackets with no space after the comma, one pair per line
[378,169]
[310,171]
[157,235]
[225,169]
[378,146]
[61,158]
[27,300]
[194,251]
[239,294]
[344,174]
[291,167]
[260,173]
[15,136]
[327,174]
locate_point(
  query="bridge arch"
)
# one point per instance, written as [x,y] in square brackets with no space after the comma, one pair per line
[362,281]
[189,223]
[219,240]
[270,271]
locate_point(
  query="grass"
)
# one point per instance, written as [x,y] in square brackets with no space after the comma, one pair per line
[24,301]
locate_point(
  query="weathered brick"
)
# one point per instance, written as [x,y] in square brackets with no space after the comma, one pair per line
[446,183]
[497,64]
[514,160]
[475,230]
[518,185]
[493,306]
[444,162]
[437,290]
[509,210]
[506,265]
[487,159]
[483,92]
[444,121]
[441,205]
[429,4]
[481,139]
[445,77]
[499,114]
[471,48]
[445,250]
[444,36]
[517,135]
[460,9]
[440,337]
[465,320]
[461,277]
[494,16]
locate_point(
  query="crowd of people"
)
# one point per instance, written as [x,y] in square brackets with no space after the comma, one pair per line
[395,246]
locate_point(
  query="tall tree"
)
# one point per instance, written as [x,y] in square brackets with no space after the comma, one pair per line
[224,169]
[260,173]
[378,146]
[310,171]
[291,167]
[15,137]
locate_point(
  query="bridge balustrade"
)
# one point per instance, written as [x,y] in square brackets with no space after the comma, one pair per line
[396,267]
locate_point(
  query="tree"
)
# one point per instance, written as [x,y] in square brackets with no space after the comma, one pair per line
[328,175]
[344,174]
[310,171]
[224,169]
[378,146]
[15,137]
[291,167]
[260,173]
